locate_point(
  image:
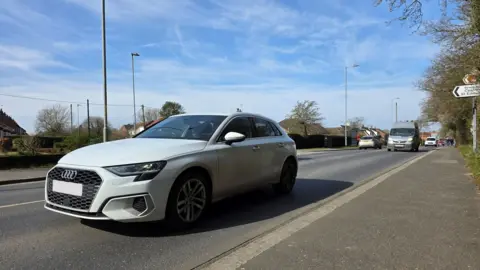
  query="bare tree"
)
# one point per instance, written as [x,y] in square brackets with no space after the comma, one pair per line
[53,120]
[307,113]
[356,122]
[96,126]
[151,114]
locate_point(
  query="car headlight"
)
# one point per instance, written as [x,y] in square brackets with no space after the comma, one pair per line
[143,171]
[390,140]
[410,139]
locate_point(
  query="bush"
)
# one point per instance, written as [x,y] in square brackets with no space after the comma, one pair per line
[26,145]
[472,160]
[17,162]
[43,141]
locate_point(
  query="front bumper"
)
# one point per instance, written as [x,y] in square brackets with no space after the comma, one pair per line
[106,196]
[406,146]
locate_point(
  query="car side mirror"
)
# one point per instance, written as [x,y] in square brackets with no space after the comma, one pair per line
[234,137]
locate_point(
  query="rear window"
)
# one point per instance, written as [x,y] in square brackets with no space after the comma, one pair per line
[431,139]
[367,138]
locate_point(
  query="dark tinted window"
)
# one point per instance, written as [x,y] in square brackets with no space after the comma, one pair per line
[263,128]
[402,132]
[367,138]
[431,139]
[275,129]
[188,127]
[241,125]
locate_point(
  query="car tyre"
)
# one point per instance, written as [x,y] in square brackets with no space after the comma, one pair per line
[288,178]
[388,149]
[190,191]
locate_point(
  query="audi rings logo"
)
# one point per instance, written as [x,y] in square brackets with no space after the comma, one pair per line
[69,174]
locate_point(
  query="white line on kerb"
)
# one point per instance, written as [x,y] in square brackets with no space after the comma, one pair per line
[244,254]
[19,204]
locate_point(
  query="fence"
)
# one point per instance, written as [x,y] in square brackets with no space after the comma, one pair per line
[318,141]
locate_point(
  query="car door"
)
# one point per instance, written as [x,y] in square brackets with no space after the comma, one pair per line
[264,137]
[239,163]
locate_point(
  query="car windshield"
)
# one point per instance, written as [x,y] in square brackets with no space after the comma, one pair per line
[367,138]
[187,127]
[431,139]
[402,132]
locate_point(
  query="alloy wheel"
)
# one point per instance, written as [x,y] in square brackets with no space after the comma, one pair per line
[191,200]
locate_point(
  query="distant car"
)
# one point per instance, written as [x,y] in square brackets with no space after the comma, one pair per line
[369,142]
[431,141]
[404,136]
[173,170]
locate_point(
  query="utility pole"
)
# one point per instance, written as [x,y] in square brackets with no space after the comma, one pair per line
[474,124]
[143,116]
[78,120]
[346,72]
[88,118]
[104,63]
[71,119]
[133,87]
[396,112]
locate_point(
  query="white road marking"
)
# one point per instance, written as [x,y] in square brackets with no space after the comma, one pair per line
[19,204]
[244,254]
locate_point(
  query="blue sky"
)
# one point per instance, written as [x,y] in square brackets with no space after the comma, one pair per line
[212,55]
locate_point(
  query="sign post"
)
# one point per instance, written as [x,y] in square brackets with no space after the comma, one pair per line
[471,89]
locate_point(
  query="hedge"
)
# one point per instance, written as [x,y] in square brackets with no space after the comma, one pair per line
[17,162]
[317,141]
[44,141]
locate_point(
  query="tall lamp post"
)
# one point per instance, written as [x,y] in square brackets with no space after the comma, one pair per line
[346,80]
[78,119]
[391,109]
[133,87]
[104,63]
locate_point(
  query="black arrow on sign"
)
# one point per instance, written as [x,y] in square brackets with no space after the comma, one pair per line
[455,91]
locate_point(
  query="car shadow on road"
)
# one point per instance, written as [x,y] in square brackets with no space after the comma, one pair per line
[241,210]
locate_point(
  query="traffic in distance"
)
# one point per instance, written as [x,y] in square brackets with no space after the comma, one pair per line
[173,170]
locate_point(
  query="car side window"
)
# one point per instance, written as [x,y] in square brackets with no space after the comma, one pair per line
[263,128]
[275,129]
[241,125]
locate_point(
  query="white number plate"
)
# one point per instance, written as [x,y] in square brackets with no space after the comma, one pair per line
[399,145]
[67,188]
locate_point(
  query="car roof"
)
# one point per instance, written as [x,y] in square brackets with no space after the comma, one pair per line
[247,114]
[403,125]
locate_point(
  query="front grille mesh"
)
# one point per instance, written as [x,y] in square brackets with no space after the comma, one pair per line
[90,180]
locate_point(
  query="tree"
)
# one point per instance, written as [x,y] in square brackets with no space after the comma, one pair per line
[412,10]
[53,120]
[96,126]
[170,108]
[151,114]
[356,122]
[307,113]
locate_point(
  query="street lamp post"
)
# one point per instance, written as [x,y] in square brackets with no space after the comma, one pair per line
[133,87]
[391,109]
[346,72]
[104,63]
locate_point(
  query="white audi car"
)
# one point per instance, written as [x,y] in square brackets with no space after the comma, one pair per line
[173,170]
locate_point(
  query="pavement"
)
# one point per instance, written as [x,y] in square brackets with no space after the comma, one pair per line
[22,175]
[426,216]
[34,238]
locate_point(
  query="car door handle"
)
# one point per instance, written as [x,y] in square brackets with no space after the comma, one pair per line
[256,147]
[280,144]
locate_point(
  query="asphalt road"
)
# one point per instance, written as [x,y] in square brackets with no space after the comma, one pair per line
[34,238]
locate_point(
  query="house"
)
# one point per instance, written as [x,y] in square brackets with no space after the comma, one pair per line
[8,126]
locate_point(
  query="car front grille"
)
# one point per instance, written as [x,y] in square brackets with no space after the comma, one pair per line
[90,181]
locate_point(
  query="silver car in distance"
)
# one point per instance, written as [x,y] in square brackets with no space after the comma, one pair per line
[173,170]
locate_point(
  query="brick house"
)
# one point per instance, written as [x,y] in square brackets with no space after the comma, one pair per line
[8,126]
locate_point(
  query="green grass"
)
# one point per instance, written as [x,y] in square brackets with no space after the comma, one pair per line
[472,160]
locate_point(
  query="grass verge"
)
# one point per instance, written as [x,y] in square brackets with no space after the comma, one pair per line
[472,160]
